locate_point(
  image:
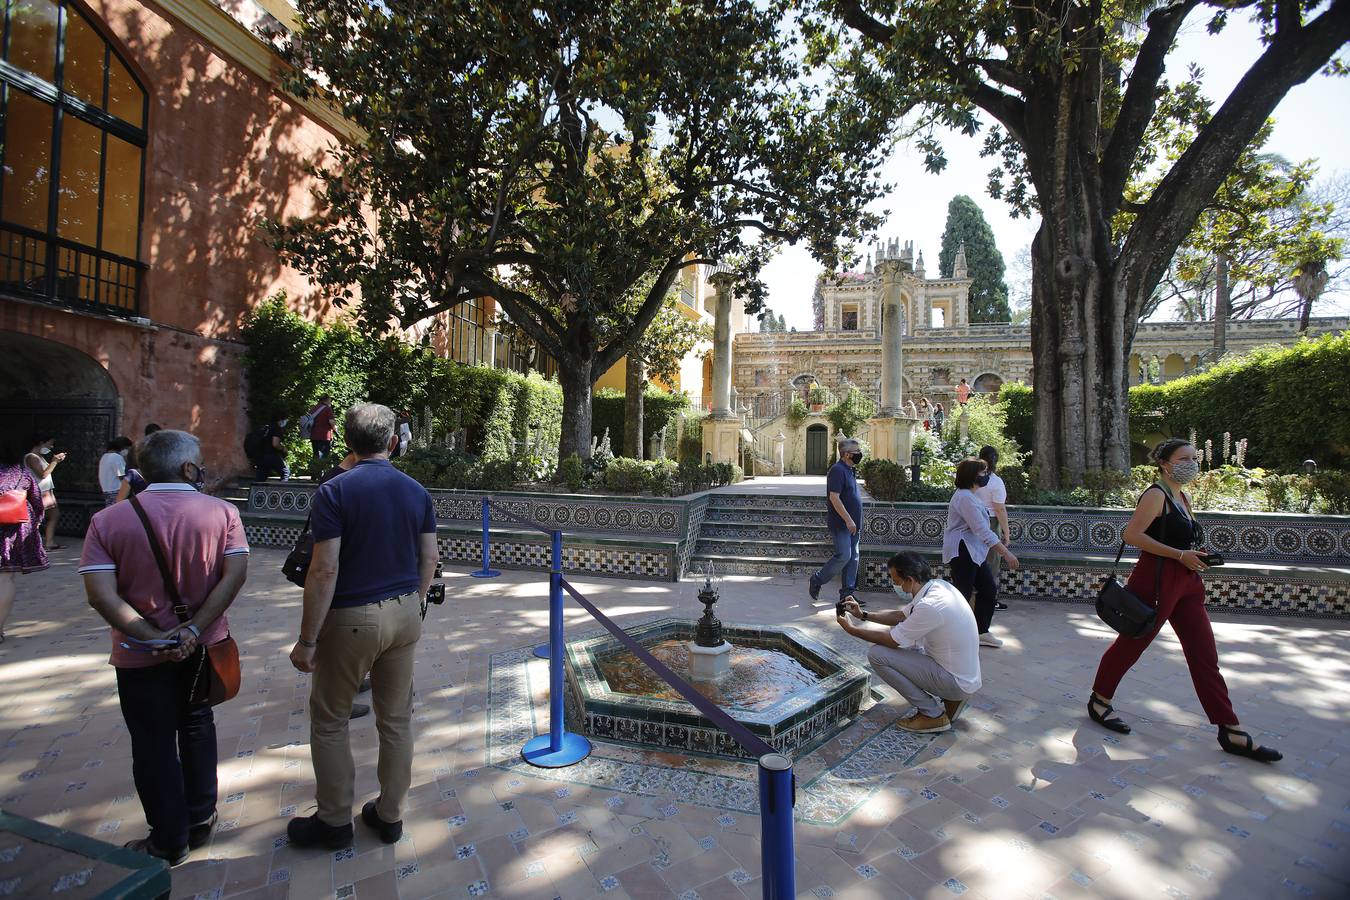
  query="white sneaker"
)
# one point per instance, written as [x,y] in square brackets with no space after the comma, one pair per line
[988,640]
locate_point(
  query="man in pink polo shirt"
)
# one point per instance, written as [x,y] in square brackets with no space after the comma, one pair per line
[173,740]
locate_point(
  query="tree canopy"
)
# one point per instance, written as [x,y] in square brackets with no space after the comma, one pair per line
[554,156]
[1076,94]
[988,291]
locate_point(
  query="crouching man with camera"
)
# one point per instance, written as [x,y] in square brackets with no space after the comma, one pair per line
[374,560]
[930,648]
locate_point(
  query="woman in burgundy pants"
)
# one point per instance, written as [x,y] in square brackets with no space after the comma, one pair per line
[1168,575]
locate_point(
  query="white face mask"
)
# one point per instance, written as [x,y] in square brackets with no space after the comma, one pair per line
[1185,471]
[46,451]
[125,453]
[903,594]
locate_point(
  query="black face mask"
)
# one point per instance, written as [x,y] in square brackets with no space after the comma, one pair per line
[855,458]
[982,480]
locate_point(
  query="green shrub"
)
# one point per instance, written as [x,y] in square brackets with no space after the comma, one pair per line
[627,476]
[818,394]
[572,473]
[691,475]
[1333,486]
[890,481]
[797,412]
[691,439]
[1019,413]
[849,414]
[663,477]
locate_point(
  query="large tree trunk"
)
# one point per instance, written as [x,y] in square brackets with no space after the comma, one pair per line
[635,383]
[574,375]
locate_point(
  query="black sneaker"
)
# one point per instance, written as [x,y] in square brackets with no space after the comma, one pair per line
[999,604]
[310,832]
[389,832]
[199,834]
[814,590]
[146,846]
[359,710]
[364,686]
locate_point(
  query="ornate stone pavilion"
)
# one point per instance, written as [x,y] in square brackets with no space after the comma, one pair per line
[935,347]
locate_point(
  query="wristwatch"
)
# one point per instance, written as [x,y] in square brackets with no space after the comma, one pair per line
[304,643]
[863,613]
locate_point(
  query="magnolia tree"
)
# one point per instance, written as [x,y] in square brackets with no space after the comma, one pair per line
[556,156]
[1076,93]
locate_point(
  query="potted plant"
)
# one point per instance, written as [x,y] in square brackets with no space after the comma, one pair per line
[818,397]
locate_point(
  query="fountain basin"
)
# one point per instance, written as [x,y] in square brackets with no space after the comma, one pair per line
[789,689]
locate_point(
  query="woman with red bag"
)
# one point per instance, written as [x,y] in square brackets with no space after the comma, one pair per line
[21,549]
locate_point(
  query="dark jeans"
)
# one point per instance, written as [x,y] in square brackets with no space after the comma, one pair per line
[173,749]
[272,463]
[844,563]
[977,580]
[321,450]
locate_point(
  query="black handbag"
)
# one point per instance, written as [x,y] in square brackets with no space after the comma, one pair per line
[296,566]
[1118,606]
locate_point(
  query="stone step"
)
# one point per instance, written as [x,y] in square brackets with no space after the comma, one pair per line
[766,549]
[782,531]
[768,514]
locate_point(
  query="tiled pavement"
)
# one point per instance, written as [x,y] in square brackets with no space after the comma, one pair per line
[1025,799]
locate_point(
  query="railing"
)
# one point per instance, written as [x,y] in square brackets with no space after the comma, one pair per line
[560,748]
[37,265]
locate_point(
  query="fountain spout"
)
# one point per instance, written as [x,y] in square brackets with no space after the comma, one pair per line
[709,654]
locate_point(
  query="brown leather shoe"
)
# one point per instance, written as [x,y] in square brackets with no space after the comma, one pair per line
[921,724]
[955,708]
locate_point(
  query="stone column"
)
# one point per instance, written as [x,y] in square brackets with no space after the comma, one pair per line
[892,339]
[722,428]
[721,395]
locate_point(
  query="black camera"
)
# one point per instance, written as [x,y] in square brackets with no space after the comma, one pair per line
[436,593]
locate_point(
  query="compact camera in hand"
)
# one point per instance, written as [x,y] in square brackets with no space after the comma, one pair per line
[436,593]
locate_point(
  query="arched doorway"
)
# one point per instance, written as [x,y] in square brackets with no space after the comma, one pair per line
[988,383]
[45,385]
[817,450]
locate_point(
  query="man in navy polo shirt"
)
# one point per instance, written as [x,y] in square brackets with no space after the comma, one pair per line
[843,516]
[374,559]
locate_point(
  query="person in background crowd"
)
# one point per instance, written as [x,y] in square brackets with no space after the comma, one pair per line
[962,392]
[929,650]
[173,738]
[843,517]
[375,556]
[271,459]
[1171,558]
[967,541]
[151,429]
[939,413]
[404,432]
[40,448]
[994,495]
[925,412]
[320,424]
[112,469]
[21,550]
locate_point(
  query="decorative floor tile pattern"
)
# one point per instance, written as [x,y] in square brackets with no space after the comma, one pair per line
[1024,799]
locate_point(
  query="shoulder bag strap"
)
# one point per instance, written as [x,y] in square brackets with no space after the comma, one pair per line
[179,607]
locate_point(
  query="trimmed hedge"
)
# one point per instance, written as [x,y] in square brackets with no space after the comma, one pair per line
[1290,403]
[660,409]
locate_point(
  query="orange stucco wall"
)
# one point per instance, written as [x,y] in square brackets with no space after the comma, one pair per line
[225,148]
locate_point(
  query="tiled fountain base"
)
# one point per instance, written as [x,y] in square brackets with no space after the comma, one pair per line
[835,779]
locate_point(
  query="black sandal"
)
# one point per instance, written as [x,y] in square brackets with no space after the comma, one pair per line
[1249,748]
[1104,718]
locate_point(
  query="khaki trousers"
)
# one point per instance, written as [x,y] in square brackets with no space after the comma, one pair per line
[379,638]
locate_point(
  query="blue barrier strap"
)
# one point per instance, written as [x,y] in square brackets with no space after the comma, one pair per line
[521,519]
[749,741]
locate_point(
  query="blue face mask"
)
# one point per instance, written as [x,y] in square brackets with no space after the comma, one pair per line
[903,594]
[983,480]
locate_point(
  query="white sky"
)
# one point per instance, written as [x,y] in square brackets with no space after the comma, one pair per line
[1312,121]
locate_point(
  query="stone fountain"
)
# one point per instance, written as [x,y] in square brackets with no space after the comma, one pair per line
[788,688]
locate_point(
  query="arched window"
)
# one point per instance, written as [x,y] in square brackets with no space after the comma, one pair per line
[72,129]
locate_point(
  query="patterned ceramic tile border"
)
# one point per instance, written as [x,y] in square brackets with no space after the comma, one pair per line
[1256,537]
[654,563]
[829,793]
[649,515]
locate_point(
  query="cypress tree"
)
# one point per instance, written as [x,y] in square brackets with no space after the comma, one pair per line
[989,292]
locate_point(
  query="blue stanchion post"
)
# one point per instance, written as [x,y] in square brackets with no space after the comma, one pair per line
[778,858]
[559,747]
[486,571]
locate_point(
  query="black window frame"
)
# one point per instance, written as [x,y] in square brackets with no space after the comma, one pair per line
[51,287]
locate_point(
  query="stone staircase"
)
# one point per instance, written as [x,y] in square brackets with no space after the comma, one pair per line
[777,535]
